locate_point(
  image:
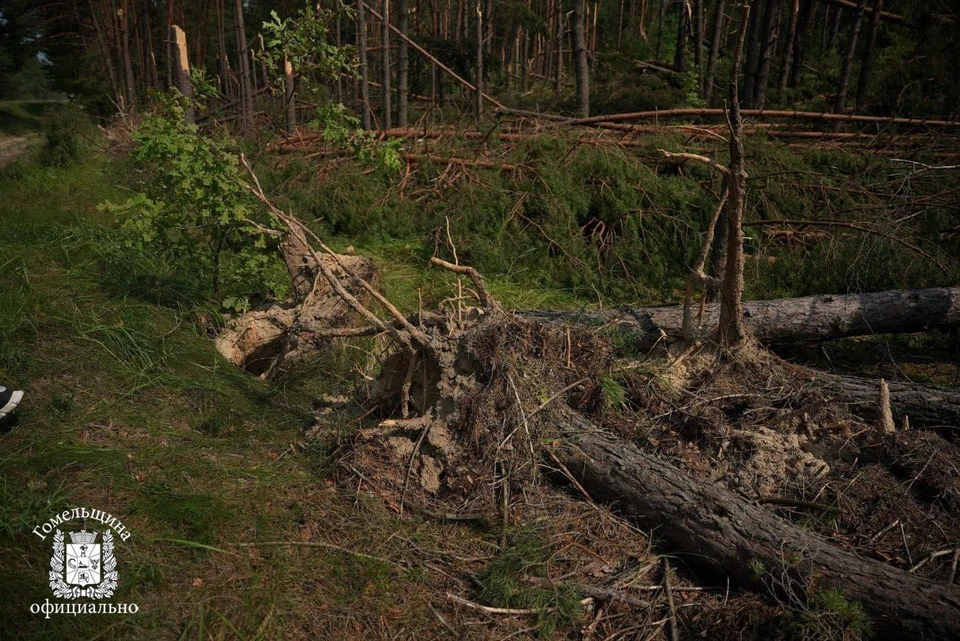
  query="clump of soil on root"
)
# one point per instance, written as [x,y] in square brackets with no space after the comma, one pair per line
[466,428]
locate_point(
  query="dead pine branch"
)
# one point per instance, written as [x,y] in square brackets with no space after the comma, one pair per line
[303,234]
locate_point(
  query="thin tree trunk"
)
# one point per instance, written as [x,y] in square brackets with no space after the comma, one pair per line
[558,68]
[864,82]
[246,86]
[791,45]
[732,330]
[130,89]
[364,67]
[385,77]
[289,97]
[403,63]
[263,67]
[620,26]
[478,81]
[339,42]
[848,58]
[660,11]
[182,69]
[679,54]
[752,62]
[102,41]
[698,31]
[581,68]
[766,53]
[715,41]
[807,7]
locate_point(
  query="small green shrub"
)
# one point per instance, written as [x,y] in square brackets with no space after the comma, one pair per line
[195,217]
[828,615]
[503,583]
[61,137]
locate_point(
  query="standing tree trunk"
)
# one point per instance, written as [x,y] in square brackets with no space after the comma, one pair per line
[403,63]
[698,43]
[181,69]
[660,11]
[848,58]
[289,98]
[385,79]
[768,45]
[732,330]
[246,85]
[364,67]
[791,45]
[807,8]
[679,54]
[581,67]
[478,81]
[752,61]
[129,86]
[715,39]
[864,81]
[558,68]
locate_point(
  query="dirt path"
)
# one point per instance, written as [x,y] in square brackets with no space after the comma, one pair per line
[11,147]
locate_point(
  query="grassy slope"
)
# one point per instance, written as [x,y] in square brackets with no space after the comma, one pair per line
[131,411]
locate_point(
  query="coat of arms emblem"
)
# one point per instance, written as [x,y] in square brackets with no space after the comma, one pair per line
[83,567]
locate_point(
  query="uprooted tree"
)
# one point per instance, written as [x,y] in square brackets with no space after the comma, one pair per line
[475,407]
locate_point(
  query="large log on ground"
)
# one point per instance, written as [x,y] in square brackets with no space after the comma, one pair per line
[791,320]
[927,406]
[720,530]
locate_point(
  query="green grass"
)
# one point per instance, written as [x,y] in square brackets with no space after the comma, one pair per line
[18,117]
[130,409]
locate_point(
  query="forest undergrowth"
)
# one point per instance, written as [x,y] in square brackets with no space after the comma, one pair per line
[132,408]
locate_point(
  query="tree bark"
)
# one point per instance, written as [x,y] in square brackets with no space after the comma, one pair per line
[864,82]
[698,35]
[581,66]
[928,406]
[181,69]
[732,331]
[289,97]
[715,528]
[752,53]
[718,20]
[767,47]
[848,58]
[800,46]
[791,45]
[403,63]
[129,85]
[479,63]
[679,53]
[246,84]
[385,77]
[558,63]
[792,320]
[364,67]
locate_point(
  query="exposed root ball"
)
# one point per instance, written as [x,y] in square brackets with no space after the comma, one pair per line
[462,425]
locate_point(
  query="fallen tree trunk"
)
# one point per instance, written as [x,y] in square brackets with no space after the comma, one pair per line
[790,320]
[927,406]
[726,533]
[761,113]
